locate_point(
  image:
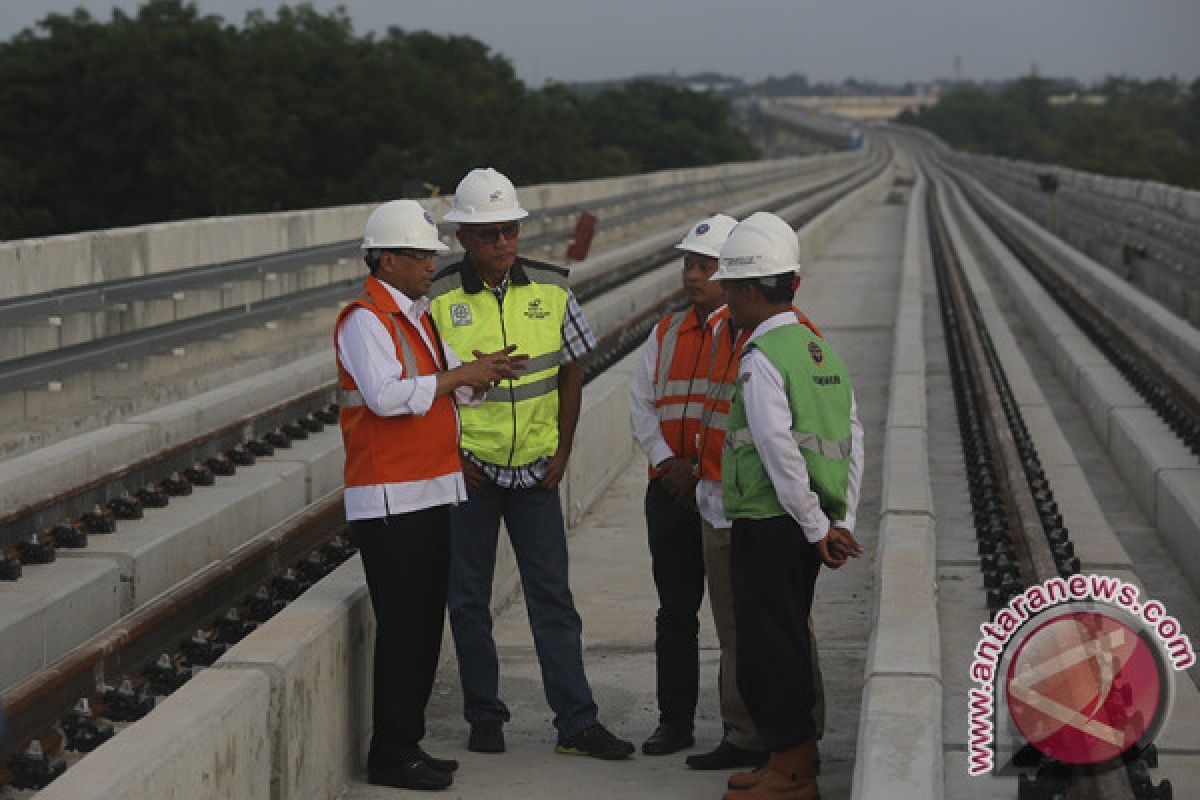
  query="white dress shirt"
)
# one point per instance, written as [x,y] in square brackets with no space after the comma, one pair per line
[770,420]
[367,351]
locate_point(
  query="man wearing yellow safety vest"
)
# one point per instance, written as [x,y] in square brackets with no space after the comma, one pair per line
[665,400]
[788,458]
[397,387]
[515,447]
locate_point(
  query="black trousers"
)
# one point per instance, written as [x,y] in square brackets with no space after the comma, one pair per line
[677,556]
[774,572]
[407,561]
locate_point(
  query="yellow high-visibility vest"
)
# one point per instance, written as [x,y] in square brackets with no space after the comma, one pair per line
[517,423]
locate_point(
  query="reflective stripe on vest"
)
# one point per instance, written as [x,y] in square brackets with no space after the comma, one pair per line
[680,380]
[526,391]
[805,441]
[350,398]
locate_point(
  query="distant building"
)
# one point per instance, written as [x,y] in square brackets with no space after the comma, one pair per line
[1076,98]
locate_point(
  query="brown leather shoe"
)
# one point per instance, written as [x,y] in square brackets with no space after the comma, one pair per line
[787,776]
[748,780]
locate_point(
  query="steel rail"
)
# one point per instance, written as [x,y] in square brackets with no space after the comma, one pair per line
[1167,387]
[134,642]
[975,363]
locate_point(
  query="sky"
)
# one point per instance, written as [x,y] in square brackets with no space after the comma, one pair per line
[891,41]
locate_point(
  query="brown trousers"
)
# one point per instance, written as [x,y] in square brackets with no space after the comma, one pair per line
[739,727]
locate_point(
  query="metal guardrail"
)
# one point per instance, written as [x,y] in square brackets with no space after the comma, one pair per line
[101,296]
[39,369]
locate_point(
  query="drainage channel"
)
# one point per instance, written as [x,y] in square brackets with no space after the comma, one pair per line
[1019,530]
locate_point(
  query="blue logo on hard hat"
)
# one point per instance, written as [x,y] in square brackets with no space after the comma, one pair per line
[702,229]
[429,219]
[496,195]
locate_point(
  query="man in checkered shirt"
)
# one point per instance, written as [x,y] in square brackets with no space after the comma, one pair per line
[515,447]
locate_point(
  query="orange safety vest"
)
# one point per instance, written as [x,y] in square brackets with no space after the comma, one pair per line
[722,377]
[680,380]
[404,447]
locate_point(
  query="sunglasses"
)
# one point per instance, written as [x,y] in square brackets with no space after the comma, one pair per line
[510,231]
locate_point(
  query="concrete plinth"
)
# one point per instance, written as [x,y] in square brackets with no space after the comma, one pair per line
[53,608]
[209,739]
[169,544]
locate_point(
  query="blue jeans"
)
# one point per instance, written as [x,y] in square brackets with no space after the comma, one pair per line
[535,527]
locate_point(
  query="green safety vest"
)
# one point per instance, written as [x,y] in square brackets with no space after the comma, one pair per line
[819,393]
[517,423]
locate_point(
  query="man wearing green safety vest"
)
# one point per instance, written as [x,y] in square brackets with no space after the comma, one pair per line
[793,451]
[515,447]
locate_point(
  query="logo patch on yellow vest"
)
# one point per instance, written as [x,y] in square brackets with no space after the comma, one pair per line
[535,310]
[460,314]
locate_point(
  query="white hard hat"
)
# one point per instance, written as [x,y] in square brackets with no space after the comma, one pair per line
[485,195]
[402,223]
[707,235]
[759,246]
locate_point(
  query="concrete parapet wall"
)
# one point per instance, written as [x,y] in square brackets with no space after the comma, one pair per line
[1160,196]
[899,751]
[33,266]
[1165,330]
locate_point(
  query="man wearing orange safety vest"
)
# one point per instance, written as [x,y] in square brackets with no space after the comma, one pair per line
[741,745]
[666,396]
[397,387]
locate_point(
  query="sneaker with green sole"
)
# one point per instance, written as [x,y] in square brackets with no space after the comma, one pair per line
[595,741]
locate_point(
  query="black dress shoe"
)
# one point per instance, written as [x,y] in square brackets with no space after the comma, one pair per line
[409,773]
[668,739]
[487,736]
[727,756]
[440,764]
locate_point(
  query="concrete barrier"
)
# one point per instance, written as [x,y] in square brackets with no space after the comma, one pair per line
[316,655]
[209,739]
[899,752]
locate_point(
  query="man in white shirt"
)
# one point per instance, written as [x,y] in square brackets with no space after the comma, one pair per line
[790,457]
[666,397]
[397,389]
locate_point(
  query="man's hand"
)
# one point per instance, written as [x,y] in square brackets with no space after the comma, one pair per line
[837,546]
[555,470]
[488,369]
[679,480]
[473,475]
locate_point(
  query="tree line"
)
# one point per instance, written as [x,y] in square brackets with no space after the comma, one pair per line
[1125,128]
[168,113]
